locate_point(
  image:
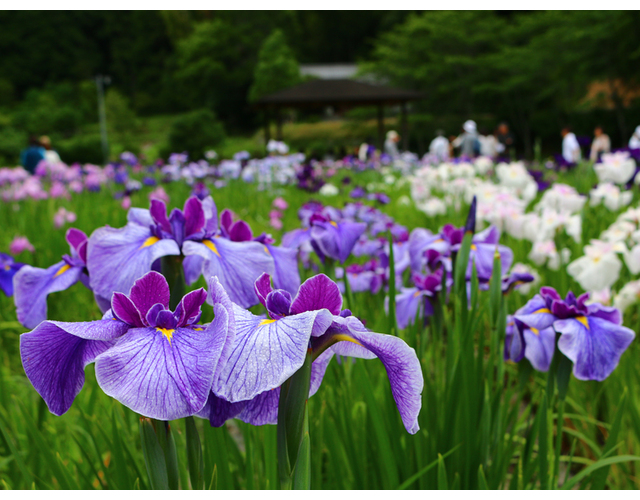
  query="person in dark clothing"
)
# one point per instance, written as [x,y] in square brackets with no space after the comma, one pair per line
[32,155]
[506,139]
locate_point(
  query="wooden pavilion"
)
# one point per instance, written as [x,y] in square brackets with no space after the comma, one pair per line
[341,94]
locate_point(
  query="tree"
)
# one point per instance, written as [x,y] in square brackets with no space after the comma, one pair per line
[276,69]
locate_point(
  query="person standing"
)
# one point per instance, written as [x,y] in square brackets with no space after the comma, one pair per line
[488,144]
[390,144]
[439,147]
[468,140]
[601,144]
[634,142]
[505,138]
[570,147]
[32,155]
[51,155]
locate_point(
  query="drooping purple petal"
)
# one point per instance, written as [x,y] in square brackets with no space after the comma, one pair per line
[295,238]
[237,265]
[266,352]
[263,409]
[224,318]
[540,346]
[336,240]
[593,344]
[318,292]
[54,355]
[32,285]
[218,410]
[116,258]
[400,361]
[407,304]
[192,266]
[159,373]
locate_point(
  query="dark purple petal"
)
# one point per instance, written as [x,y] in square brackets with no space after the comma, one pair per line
[75,238]
[514,342]
[278,303]
[218,410]
[165,320]
[194,216]
[593,344]
[263,409]
[158,211]
[189,306]
[126,311]
[240,231]
[153,314]
[150,289]
[263,288]
[318,292]
[54,356]
[226,220]
[610,314]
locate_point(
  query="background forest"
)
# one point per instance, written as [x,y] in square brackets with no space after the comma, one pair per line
[186,80]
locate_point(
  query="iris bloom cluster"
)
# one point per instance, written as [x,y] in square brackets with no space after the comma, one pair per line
[591,336]
[163,364]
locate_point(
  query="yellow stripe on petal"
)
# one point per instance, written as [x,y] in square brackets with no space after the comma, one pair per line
[166,332]
[342,337]
[267,251]
[150,241]
[333,223]
[63,269]
[535,330]
[474,247]
[266,322]
[211,246]
[543,310]
[584,321]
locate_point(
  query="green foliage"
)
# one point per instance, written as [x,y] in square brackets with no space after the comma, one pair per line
[122,124]
[84,148]
[195,132]
[276,69]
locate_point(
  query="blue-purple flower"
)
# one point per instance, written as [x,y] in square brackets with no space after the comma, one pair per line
[591,336]
[117,257]
[33,284]
[159,363]
[8,268]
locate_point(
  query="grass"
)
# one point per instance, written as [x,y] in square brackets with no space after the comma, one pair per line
[484,423]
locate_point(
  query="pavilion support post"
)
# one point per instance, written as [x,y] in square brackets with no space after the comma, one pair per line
[267,128]
[404,126]
[380,127]
[278,124]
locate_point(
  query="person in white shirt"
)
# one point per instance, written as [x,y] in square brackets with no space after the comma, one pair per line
[570,147]
[439,147]
[50,155]
[488,144]
[634,142]
[390,145]
[601,144]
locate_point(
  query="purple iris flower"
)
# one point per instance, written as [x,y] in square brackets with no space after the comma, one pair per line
[117,257]
[368,277]
[410,300]
[159,363]
[33,284]
[334,239]
[591,336]
[358,192]
[312,320]
[8,268]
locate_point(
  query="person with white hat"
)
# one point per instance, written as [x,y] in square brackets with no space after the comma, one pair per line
[468,140]
[390,144]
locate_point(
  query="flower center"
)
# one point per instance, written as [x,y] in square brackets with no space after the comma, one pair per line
[168,333]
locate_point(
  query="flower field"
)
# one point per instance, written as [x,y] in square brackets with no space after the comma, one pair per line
[232,291]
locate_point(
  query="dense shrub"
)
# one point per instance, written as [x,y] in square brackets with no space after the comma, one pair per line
[195,132]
